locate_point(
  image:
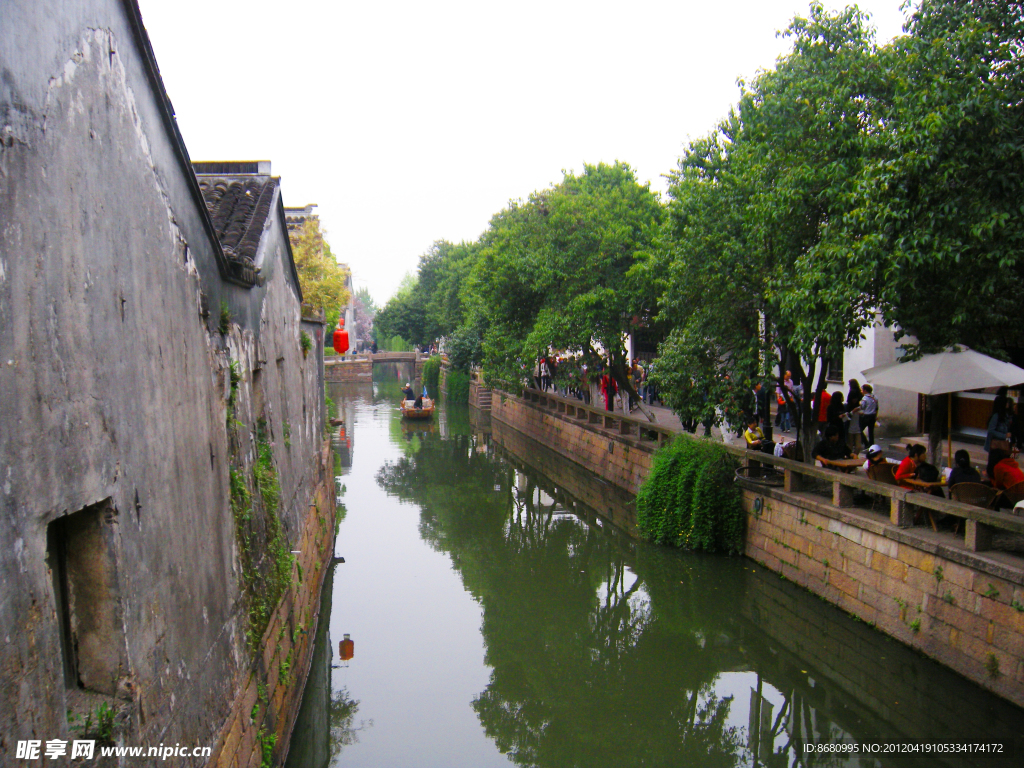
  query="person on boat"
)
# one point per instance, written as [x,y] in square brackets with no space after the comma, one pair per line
[407,392]
[418,405]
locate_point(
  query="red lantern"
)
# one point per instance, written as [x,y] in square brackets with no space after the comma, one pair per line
[346,649]
[340,341]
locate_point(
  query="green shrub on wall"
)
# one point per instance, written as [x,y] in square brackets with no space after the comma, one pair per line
[458,387]
[431,372]
[690,499]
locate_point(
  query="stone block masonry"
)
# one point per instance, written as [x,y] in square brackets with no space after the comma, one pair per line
[348,370]
[620,459]
[963,609]
[269,692]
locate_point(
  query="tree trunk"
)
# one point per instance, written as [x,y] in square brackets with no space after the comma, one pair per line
[618,372]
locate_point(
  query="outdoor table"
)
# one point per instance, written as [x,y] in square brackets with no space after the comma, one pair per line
[843,465]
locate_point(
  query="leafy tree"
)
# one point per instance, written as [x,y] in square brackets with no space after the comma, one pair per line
[369,306]
[747,206]
[936,235]
[322,279]
[404,315]
[557,272]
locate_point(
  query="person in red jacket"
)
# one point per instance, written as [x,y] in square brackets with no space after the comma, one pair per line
[826,398]
[908,467]
[608,389]
[1003,470]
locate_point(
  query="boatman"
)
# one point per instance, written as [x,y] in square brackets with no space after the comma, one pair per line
[407,393]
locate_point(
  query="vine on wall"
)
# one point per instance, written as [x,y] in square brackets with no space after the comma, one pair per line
[265,556]
[690,499]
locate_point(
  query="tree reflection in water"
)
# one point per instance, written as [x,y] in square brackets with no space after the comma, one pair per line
[342,714]
[577,651]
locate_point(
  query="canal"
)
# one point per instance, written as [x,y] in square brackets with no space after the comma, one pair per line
[499,613]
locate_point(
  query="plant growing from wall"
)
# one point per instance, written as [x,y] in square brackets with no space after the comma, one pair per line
[266,560]
[235,377]
[267,742]
[457,386]
[225,318]
[432,373]
[305,342]
[690,499]
[330,411]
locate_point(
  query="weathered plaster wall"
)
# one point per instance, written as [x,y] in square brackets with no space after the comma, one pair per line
[114,385]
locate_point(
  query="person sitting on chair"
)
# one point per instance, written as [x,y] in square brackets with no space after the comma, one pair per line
[908,467]
[755,437]
[1003,470]
[875,457]
[831,447]
[962,472]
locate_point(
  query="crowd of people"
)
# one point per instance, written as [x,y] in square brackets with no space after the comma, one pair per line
[844,421]
[575,378]
[842,418]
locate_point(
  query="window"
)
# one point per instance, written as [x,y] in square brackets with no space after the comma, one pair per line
[82,557]
[834,369]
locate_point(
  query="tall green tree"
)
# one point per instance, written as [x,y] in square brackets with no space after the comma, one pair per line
[324,282]
[936,232]
[559,271]
[748,203]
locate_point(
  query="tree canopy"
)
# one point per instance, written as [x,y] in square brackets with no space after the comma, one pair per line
[322,279]
[851,184]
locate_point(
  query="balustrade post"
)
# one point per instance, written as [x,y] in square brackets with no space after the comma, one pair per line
[792,481]
[899,514]
[977,536]
[842,495]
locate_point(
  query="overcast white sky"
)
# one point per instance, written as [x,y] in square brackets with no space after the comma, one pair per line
[408,123]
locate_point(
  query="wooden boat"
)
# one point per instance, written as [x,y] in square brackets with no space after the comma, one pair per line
[410,411]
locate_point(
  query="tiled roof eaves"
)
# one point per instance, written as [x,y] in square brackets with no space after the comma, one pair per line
[249,243]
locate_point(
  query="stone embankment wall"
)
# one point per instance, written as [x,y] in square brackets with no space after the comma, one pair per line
[622,459]
[965,609]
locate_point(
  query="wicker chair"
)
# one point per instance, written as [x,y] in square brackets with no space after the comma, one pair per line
[1013,494]
[882,473]
[975,494]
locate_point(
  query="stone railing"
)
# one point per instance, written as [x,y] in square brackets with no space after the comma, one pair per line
[642,430]
[979,523]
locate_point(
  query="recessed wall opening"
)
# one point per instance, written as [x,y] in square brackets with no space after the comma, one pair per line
[81,553]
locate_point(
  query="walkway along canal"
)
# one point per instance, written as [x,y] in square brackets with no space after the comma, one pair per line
[499,614]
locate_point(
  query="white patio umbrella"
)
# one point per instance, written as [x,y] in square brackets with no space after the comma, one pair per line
[954,370]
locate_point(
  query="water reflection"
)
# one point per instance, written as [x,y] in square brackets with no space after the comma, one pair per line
[601,650]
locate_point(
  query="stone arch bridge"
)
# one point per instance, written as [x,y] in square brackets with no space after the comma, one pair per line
[360,367]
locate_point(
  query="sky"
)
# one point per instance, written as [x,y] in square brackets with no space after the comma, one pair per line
[407,123]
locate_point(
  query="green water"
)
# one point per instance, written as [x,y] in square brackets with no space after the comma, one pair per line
[499,617]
